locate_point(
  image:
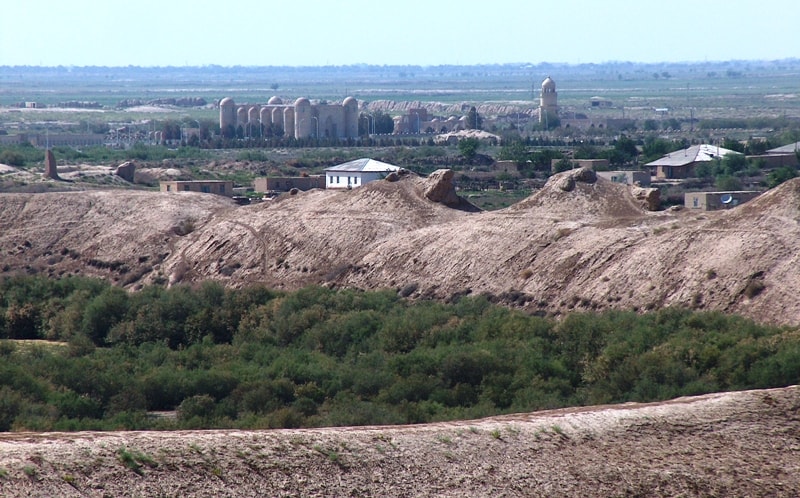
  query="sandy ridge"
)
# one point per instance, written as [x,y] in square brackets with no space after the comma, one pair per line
[730,444]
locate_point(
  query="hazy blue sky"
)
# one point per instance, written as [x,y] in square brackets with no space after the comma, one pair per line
[424,32]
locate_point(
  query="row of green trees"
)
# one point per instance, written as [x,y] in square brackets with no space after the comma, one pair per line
[25,155]
[622,151]
[256,358]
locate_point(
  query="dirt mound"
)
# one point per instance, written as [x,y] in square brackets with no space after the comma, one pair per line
[580,243]
[781,203]
[119,235]
[741,443]
[578,194]
[311,237]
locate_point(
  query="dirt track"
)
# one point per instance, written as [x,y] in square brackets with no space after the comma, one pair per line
[732,444]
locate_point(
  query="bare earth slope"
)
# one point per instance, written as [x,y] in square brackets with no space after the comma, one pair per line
[575,244]
[732,444]
[113,234]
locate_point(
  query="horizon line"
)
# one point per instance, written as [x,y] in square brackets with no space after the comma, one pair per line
[373,65]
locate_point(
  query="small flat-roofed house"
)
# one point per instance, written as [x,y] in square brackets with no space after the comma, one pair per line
[287,183]
[357,173]
[632,177]
[600,102]
[711,201]
[681,163]
[219,187]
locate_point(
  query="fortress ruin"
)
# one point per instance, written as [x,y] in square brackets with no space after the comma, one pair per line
[300,119]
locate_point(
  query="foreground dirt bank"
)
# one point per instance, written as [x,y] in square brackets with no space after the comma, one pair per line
[729,444]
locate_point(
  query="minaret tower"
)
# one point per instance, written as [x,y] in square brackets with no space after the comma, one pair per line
[548,103]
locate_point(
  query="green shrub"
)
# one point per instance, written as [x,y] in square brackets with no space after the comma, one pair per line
[135,460]
[12,158]
[200,406]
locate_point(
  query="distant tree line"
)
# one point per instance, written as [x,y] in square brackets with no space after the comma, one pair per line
[257,358]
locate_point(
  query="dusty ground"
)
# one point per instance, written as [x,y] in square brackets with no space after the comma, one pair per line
[734,444]
[589,248]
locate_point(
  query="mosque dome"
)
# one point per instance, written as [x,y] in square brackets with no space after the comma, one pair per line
[226,102]
[549,84]
[275,100]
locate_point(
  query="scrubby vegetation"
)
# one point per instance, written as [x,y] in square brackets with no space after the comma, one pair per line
[255,358]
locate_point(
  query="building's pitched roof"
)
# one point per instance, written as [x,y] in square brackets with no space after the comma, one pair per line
[786,149]
[694,154]
[364,165]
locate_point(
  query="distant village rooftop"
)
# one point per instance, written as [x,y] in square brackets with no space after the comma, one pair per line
[693,154]
[786,149]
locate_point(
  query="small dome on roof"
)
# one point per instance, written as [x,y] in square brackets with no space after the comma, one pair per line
[302,101]
[226,102]
[548,84]
[275,100]
[349,101]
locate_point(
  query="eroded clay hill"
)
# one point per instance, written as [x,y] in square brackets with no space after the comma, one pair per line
[578,243]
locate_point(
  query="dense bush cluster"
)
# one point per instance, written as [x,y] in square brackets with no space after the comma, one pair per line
[255,358]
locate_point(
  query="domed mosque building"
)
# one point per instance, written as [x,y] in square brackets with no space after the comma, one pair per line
[300,119]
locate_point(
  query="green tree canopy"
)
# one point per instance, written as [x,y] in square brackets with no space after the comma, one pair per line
[383,124]
[468,147]
[563,164]
[514,151]
[627,147]
[474,120]
[731,144]
[780,175]
[727,182]
[733,163]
